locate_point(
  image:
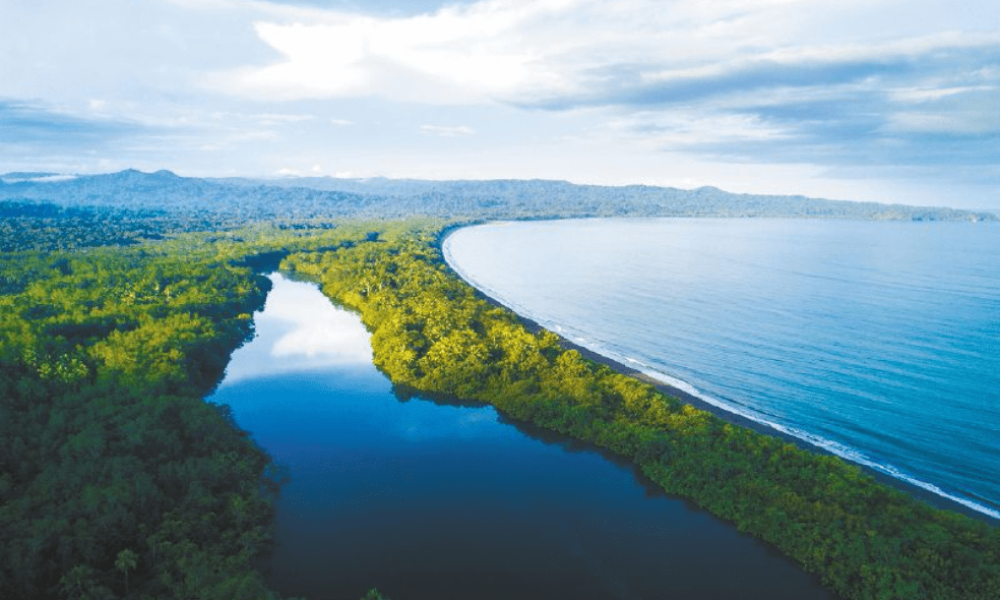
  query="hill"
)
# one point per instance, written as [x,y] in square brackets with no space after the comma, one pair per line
[225,202]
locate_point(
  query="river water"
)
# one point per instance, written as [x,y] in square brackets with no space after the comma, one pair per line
[433,500]
[877,341]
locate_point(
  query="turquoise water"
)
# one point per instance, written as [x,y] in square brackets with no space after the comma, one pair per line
[437,501]
[876,341]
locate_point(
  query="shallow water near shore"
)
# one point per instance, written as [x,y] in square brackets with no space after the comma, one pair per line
[437,500]
[875,341]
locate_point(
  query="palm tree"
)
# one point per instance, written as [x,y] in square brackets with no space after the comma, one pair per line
[126,560]
[76,581]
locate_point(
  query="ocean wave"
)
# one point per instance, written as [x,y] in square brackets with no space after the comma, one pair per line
[836,448]
[843,451]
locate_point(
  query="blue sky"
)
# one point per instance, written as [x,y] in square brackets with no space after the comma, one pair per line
[886,100]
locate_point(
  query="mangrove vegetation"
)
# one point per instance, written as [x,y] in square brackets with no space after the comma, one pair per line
[433,334]
[117,480]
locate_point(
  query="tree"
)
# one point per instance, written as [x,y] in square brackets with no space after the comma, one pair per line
[126,560]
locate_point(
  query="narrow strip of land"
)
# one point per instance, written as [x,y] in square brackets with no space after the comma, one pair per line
[916,491]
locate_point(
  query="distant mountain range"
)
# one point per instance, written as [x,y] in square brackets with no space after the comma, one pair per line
[241,200]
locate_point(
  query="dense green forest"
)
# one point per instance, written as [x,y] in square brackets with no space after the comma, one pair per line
[117,480]
[433,334]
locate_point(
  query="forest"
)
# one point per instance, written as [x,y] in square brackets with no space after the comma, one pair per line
[117,479]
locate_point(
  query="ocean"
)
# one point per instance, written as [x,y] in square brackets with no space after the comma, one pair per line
[877,341]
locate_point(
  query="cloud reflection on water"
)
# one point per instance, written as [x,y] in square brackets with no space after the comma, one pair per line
[309,332]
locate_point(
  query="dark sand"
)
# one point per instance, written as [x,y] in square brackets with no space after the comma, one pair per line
[735,419]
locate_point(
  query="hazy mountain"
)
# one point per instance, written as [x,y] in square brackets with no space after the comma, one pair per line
[236,199]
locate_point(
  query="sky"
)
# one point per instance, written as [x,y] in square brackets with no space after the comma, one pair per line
[884,100]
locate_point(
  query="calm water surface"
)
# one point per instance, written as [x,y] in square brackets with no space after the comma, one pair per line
[435,501]
[877,341]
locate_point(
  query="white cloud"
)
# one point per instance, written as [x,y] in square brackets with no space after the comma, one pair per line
[717,62]
[544,88]
[45,179]
[692,128]
[458,54]
[270,119]
[446,131]
[986,121]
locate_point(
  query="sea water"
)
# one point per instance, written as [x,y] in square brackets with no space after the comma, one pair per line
[877,341]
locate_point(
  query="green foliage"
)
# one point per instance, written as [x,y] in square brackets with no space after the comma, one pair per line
[46,226]
[126,561]
[431,333]
[116,478]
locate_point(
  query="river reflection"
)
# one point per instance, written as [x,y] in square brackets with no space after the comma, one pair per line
[433,500]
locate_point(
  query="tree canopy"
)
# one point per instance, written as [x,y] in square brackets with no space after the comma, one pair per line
[117,480]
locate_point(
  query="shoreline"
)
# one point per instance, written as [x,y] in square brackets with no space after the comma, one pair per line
[913,490]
